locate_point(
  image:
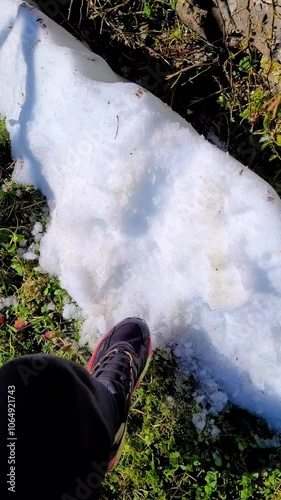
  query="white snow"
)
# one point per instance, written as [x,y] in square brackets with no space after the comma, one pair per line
[29,255]
[274,442]
[71,311]
[147,218]
[37,231]
[8,302]
[199,420]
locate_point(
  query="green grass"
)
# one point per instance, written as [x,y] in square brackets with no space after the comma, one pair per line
[34,292]
[164,456]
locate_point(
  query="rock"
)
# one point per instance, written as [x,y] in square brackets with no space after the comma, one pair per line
[192,16]
[257,22]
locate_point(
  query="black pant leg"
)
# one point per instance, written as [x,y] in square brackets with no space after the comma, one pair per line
[64,428]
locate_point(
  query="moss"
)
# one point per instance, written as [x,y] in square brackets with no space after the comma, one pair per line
[272,71]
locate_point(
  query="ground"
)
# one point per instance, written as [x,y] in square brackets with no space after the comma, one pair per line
[225,95]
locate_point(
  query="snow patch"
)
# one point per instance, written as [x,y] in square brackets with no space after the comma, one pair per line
[71,311]
[37,231]
[8,302]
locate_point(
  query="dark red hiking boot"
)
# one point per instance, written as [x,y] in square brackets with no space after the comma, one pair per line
[120,361]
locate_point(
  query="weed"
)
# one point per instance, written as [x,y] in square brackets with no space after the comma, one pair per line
[249,97]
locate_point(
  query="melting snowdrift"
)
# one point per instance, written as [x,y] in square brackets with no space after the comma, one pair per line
[147,218]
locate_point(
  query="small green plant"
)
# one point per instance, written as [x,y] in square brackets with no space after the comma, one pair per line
[249,98]
[245,64]
[147,8]
[264,115]
[253,108]
[224,101]
[4,136]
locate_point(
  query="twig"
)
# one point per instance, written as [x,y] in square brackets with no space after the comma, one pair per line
[117,129]
[183,70]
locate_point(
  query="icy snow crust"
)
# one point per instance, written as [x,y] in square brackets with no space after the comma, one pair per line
[147,218]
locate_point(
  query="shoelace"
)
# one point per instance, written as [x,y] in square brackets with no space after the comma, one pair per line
[110,368]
